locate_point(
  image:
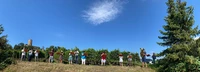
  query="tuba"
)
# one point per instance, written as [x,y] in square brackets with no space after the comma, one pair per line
[26,50]
[86,54]
[72,53]
[130,56]
[104,54]
[120,55]
[38,51]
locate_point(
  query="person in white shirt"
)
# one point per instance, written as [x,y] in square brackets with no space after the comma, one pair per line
[23,54]
[76,56]
[129,59]
[36,55]
[30,55]
[121,59]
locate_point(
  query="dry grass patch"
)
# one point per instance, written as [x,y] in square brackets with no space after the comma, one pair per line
[56,67]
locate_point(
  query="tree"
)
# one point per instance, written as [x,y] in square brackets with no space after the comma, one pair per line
[3,39]
[8,46]
[136,57]
[92,56]
[76,48]
[19,46]
[5,53]
[195,48]
[3,42]
[114,56]
[178,36]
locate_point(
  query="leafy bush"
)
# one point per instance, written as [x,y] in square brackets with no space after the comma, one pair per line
[7,62]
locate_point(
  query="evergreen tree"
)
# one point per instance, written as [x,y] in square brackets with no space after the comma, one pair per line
[178,36]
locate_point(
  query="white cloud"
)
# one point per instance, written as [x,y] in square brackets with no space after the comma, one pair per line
[103,11]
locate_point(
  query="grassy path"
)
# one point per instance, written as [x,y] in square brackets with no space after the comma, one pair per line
[56,67]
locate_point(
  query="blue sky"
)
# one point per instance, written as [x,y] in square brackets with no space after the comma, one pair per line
[125,25]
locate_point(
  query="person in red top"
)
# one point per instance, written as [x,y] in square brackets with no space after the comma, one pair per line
[103,58]
[51,56]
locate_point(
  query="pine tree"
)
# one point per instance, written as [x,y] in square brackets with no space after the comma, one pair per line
[178,36]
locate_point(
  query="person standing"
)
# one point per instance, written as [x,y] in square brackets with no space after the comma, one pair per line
[83,58]
[154,58]
[30,55]
[61,56]
[23,54]
[76,56]
[51,56]
[121,59]
[129,59]
[143,55]
[70,57]
[103,58]
[36,55]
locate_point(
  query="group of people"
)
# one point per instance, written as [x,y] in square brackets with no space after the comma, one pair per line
[30,54]
[84,56]
[143,55]
[70,58]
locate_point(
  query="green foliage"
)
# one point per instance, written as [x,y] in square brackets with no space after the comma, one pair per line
[16,53]
[6,52]
[7,62]
[19,46]
[92,57]
[114,55]
[181,56]
[41,54]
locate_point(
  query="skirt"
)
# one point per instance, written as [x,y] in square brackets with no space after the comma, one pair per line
[120,60]
[70,58]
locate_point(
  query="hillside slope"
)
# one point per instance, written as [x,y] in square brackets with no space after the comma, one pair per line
[55,67]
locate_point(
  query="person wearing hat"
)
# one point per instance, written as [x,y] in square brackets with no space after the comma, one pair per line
[143,55]
[61,56]
[121,59]
[70,57]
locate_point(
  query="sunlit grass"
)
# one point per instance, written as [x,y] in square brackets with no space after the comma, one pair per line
[57,67]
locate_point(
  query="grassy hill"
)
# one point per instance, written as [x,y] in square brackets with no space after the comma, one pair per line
[56,67]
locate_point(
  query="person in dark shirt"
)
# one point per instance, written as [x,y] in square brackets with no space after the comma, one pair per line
[30,55]
[154,58]
[76,56]
[143,55]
